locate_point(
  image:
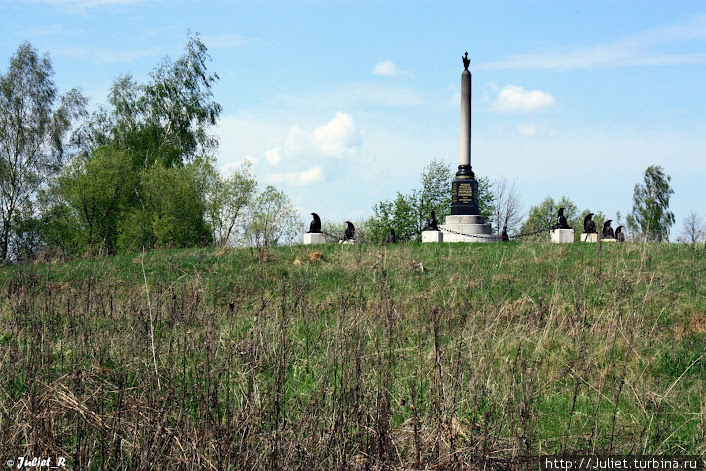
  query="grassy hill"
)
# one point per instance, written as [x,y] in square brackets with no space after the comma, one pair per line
[356,356]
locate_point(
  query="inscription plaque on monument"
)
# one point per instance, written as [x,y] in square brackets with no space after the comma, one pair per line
[464,196]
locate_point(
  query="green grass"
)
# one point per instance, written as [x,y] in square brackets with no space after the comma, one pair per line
[372,356]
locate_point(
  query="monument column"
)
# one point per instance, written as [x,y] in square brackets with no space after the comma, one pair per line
[464,224]
[464,159]
[464,188]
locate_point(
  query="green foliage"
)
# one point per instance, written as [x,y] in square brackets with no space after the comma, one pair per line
[141,177]
[227,201]
[382,221]
[435,193]
[33,127]
[364,230]
[336,229]
[650,215]
[273,219]
[165,120]
[168,218]
[401,214]
[98,190]
[61,228]
[544,216]
[408,213]
[26,234]
[486,200]
[102,202]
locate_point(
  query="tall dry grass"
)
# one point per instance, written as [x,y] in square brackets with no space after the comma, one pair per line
[366,357]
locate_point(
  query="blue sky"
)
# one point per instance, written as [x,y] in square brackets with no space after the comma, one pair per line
[343,103]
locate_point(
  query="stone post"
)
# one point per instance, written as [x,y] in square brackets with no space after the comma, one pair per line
[562,236]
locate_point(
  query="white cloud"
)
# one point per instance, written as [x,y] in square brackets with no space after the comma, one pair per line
[302,155]
[272,156]
[244,135]
[640,49]
[338,137]
[514,99]
[303,178]
[388,69]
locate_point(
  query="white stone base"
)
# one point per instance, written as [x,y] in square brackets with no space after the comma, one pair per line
[562,236]
[314,238]
[347,242]
[589,237]
[471,227]
[432,236]
[464,219]
[608,240]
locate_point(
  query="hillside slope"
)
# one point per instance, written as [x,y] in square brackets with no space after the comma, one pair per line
[361,356]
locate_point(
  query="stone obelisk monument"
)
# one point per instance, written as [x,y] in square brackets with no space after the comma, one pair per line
[465,224]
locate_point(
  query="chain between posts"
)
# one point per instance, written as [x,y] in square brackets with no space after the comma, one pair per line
[490,236]
[329,235]
[361,241]
[485,236]
[480,236]
[538,231]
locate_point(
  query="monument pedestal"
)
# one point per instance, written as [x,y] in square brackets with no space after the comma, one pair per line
[464,192]
[589,237]
[467,228]
[314,238]
[432,236]
[562,236]
[608,240]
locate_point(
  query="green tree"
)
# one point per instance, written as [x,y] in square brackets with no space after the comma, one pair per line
[26,234]
[228,199]
[406,216]
[381,221]
[101,201]
[98,190]
[650,216]
[273,219]
[171,210]
[142,177]
[543,216]
[165,120]
[486,200]
[34,124]
[435,193]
